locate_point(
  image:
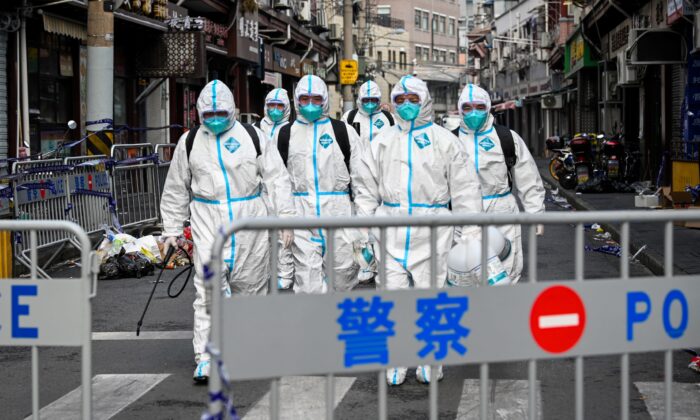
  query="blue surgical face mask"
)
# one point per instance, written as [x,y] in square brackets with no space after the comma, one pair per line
[311,112]
[475,119]
[275,114]
[408,111]
[217,125]
[370,107]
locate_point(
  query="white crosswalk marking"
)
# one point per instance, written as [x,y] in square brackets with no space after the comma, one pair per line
[686,404]
[145,335]
[110,395]
[301,397]
[508,401]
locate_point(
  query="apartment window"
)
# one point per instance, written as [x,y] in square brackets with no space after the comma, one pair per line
[441,26]
[426,53]
[393,58]
[434,22]
[419,53]
[451,27]
[419,19]
[379,58]
[402,60]
[384,10]
[453,58]
[443,55]
[426,16]
[436,54]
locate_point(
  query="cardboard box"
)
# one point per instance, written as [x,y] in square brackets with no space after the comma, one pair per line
[676,199]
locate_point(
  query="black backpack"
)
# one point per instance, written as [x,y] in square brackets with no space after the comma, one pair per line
[507,145]
[189,141]
[341,136]
[353,113]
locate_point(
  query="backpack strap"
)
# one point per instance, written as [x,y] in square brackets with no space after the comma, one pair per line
[189,141]
[351,116]
[389,117]
[456,131]
[341,136]
[508,146]
[254,136]
[257,123]
[283,141]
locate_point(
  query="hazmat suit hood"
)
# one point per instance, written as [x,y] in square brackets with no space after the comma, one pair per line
[369,89]
[475,95]
[411,84]
[278,96]
[311,85]
[216,96]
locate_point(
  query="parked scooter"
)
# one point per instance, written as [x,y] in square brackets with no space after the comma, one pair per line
[612,152]
[582,151]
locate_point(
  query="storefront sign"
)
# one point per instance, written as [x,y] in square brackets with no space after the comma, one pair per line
[691,111]
[246,45]
[577,55]
[676,9]
[348,72]
[619,38]
[286,62]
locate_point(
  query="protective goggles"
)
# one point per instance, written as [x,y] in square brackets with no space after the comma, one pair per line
[413,98]
[275,105]
[217,113]
[313,99]
[471,106]
[370,100]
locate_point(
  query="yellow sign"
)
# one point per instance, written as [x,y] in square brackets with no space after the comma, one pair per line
[348,72]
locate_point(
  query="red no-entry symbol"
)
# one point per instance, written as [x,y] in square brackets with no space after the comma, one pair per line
[557,319]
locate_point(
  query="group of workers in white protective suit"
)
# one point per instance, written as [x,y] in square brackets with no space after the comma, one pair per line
[372,163]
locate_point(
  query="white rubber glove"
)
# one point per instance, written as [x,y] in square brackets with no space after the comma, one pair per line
[539,230]
[170,241]
[287,236]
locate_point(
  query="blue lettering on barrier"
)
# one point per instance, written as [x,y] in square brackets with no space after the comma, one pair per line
[675,332]
[366,329]
[20,310]
[633,317]
[440,324]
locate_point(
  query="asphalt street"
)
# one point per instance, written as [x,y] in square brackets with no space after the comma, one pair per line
[150,377]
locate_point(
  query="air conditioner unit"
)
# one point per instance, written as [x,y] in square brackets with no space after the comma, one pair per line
[304,15]
[552,102]
[626,74]
[546,40]
[493,56]
[541,54]
[501,65]
[335,33]
[321,20]
[281,4]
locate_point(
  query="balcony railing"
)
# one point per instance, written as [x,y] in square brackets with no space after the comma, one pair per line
[387,21]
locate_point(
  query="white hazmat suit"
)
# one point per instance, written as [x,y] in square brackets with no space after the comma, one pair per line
[224,176]
[370,124]
[321,187]
[267,125]
[484,153]
[416,168]
[285,265]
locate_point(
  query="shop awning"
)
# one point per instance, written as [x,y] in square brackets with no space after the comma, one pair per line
[439,74]
[658,46]
[60,26]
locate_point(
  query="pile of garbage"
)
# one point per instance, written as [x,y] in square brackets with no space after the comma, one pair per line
[125,256]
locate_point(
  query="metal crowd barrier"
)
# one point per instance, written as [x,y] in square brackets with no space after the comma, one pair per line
[53,312]
[92,205]
[40,193]
[135,184]
[608,306]
[165,156]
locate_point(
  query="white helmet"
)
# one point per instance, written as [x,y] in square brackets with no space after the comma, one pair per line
[464,266]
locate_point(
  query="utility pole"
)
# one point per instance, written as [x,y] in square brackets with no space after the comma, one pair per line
[347,51]
[100,77]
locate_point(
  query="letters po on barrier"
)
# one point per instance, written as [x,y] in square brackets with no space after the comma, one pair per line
[364,331]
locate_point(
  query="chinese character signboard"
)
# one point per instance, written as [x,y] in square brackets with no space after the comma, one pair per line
[577,55]
[271,336]
[246,44]
[348,72]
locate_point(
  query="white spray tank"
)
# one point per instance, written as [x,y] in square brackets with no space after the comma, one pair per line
[464,265]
